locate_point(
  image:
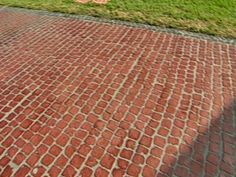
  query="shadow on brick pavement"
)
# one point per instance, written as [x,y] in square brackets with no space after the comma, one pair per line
[213,151]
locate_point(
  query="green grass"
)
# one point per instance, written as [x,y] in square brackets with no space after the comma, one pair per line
[216,17]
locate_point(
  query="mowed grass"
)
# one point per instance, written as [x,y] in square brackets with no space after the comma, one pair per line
[215,17]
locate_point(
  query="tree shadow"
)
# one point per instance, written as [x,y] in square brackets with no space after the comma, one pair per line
[213,151]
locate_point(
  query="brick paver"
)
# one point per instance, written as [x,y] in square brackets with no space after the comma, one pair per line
[94,99]
[94,1]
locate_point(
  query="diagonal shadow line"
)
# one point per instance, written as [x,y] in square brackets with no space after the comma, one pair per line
[212,153]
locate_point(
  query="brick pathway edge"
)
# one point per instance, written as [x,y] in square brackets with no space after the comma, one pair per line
[129,24]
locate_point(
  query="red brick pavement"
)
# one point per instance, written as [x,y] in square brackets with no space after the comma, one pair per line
[93,99]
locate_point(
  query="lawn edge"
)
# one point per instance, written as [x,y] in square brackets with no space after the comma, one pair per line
[202,36]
